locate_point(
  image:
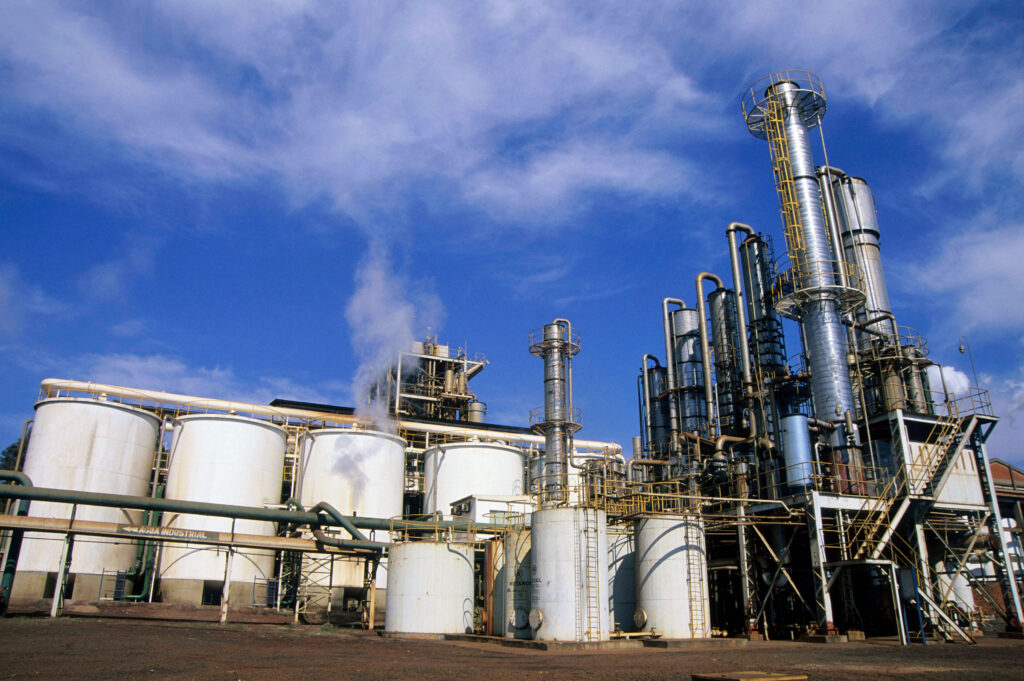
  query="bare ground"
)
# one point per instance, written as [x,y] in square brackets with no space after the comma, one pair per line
[89,649]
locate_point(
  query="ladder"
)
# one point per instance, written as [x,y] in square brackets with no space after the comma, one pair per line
[587,575]
[782,169]
[695,579]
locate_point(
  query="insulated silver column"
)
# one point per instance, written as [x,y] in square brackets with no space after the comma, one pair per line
[556,345]
[797,105]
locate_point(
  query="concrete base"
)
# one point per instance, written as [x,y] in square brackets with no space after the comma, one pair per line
[87,587]
[29,585]
[854,635]
[695,643]
[190,592]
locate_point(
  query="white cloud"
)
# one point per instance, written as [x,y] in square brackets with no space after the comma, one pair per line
[956,382]
[1007,441]
[172,374]
[22,302]
[978,273]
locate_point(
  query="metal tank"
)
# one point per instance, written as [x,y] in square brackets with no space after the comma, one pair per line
[725,341]
[654,382]
[220,459]
[621,578]
[359,473]
[87,445]
[796,448]
[517,580]
[430,588]
[455,471]
[768,346]
[570,575]
[671,577]
[858,225]
[689,370]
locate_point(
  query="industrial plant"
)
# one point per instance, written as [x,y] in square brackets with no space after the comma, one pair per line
[801,470]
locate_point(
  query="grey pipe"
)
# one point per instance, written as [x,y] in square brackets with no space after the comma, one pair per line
[741,310]
[670,364]
[647,396]
[705,353]
[824,174]
[14,547]
[274,515]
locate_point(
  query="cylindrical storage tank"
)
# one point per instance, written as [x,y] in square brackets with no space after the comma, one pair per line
[431,588]
[455,471]
[621,578]
[220,459]
[671,577]
[518,583]
[725,344]
[358,472]
[767,343]
[796,449]
[87,445]
[476,412]
[657,410]
[858,223]
[570,575]
[689,370]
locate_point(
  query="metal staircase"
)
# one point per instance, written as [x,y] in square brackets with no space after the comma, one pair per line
[782,168]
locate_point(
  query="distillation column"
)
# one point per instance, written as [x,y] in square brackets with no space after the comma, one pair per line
[782,108]
[556,344]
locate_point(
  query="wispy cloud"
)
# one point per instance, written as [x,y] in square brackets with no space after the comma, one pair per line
[22,302]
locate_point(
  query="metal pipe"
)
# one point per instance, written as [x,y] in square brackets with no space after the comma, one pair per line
[824,174]
[670,363]
[274,515]
[741,309]
[14,547]
[647,395]
[201,402]
[705,352]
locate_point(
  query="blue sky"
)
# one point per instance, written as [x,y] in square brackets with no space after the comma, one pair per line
[252,200]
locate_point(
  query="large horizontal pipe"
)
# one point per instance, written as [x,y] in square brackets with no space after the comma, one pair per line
[274,515]
[57,384]
[165,534]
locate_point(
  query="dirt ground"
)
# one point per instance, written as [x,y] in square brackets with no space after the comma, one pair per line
[90,649]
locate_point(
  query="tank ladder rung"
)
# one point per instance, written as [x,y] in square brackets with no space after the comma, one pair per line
[695,581]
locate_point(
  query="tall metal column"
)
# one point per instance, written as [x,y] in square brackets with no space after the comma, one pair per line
[782,108]
[556,344]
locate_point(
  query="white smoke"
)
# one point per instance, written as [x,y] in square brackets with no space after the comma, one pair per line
[956,382]
[385,314]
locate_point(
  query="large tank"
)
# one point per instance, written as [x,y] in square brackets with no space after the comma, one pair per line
[689,370]
[725,341]
[455,471]
[796,448]
[671,577]
[518,583]
[220,459]
[88,445]
[621,578]
[570,575]
[431,588]
[359,473]
[767,343]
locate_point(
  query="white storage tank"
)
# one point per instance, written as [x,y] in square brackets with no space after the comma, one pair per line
[621,578]
[360,473]
[455,471]
[431,588]
[88,445]
[518,584]
[570,575]
[671,577]
[220,459]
